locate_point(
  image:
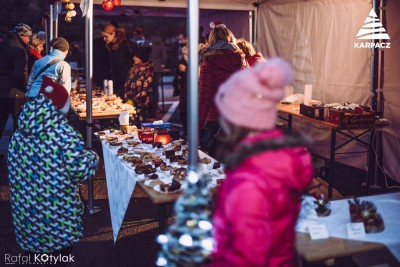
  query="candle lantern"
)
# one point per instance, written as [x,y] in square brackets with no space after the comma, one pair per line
[163,136]
[148,135]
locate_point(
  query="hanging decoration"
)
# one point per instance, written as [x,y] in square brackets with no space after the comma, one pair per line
[189,242]
[116,2]
[70,10]
[108,5]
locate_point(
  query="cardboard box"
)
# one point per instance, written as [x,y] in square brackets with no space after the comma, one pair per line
[344,118]
[315,112]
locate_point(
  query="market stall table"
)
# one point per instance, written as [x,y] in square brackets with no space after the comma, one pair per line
[340,245]
[348,131]
[102,107]
[122,178]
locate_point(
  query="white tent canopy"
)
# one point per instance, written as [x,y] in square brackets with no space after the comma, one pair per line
[203,4]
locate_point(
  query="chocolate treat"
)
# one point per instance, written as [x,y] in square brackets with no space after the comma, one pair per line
[183,162]
[122,150]
[153,176]
[144,169]
[216,165]
[175,185]
[164,167]
[175,158]
[366,212]
[205,160]
[177,147]
[169,153]
[157,162]
[157,144]
[133,143]
[136,161]
[115,143]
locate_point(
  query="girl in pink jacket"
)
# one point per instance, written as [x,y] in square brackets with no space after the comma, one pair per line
[258,204]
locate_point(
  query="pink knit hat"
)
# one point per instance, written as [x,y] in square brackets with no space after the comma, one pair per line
[249,97]
[57,93]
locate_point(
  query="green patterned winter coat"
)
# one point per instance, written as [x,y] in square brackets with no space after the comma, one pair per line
[47,159]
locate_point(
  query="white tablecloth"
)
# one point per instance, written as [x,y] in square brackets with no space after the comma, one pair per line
[120,185]
[388,206]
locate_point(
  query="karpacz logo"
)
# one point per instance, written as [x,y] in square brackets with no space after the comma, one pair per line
[37,259]
[372,30]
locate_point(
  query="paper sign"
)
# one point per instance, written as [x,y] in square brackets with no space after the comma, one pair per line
[318,231]
[355,230]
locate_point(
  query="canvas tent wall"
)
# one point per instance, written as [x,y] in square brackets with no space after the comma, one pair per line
[317,37]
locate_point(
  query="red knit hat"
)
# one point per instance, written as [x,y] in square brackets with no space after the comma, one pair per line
[57,93]
[249,97]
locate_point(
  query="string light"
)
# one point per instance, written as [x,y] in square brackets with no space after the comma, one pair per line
[71,12]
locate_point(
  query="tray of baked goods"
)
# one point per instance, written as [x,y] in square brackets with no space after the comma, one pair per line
[101,104]
[162,167]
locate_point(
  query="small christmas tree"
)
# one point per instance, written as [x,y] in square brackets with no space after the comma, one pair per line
[188,242]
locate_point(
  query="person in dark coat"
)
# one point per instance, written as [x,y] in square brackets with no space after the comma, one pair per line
[13,73]
[121,55]
[218,60]
[101,62]
[138,86]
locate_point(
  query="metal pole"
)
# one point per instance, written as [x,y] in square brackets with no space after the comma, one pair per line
[89,85]
[192,83]
[251,27]
[46,30]
[255,24]
[51,22]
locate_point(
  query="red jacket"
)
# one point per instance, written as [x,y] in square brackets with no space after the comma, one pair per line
[216,66]
[257,57]
[258,205]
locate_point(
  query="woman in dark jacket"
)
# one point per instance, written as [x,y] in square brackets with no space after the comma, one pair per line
[218,60]
[138,87]
[121,54]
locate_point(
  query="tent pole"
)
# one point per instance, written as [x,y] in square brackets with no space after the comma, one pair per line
[251,40]
[192,83]
[256,5]
[46,30]
[51,23]
[89,84]
[57,9]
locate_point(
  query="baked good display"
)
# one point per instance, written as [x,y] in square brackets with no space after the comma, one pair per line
[166,166]
[322,205]
[366,212]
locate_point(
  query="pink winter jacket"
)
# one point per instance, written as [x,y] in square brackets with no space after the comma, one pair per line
[258,205]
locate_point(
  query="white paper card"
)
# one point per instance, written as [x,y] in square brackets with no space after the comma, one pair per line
[307,93]
[318,231]
[355,230]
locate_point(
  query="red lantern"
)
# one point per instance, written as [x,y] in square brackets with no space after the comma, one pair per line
[107,5]
[116,2]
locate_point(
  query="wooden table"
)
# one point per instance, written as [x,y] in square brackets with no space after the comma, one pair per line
[161,200]
[331,248]
[112,114]
[293,110]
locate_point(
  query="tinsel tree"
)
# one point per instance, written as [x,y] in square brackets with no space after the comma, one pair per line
[188,241]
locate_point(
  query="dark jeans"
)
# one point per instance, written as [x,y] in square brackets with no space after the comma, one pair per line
[9,106]
[59,254]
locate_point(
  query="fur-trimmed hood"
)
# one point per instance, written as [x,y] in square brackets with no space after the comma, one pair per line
[278,158]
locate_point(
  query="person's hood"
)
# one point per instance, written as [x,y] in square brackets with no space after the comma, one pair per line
[58,53]
[289,166]
[39,117]
[224,59]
